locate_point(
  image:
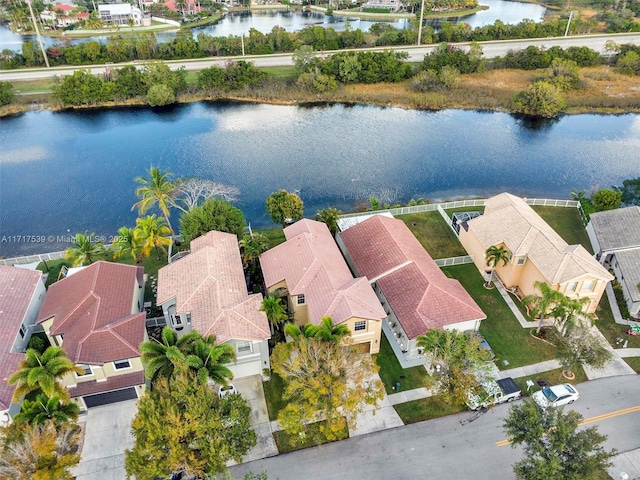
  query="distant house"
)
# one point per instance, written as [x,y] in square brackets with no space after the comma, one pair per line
[95,315]
[60,16]
[615,237]
[206,291]
[311,271]
[189,7]
[119,13]
[391,5]
[415,293]
[537,252]
[21,295]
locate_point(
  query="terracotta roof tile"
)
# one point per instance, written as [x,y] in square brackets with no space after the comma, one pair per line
[421,296]
[116,382]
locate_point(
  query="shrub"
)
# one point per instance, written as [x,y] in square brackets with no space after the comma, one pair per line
[563,74]
[6,93]
[541,100]
[159,95]
[629,63]
[317,82]
[619,294]
[606,199]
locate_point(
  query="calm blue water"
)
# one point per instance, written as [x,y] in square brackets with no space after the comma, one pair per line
[294,20]
[75,172]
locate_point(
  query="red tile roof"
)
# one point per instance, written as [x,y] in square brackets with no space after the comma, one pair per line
[421,296]
[94,309]
[310,263]
[117,382]
[210,284]
[63,8]
[17,287]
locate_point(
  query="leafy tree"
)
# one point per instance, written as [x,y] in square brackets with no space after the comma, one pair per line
[304,58]
[6,93]
[158,73]
[284,207]
[549,302]
[580,346]
[39,452]
[158,190]
[160,95]
[274,309]
[317,82]
[212,214]
[327,331]
[40,372]
[323,381]
[329,216]
[459,358]
[541,100]
[151,232]
[629,63]
[43,408]
[553,445]
[185,426]
[126,244]
[606,199]
[85,250]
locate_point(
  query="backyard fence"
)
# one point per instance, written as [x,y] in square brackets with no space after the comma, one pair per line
[448,262]
[42,257]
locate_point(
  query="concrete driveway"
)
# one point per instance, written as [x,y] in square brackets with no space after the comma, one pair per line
[107,435]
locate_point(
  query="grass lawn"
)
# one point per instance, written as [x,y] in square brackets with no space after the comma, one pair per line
[566,221]
[426,409]
[275,236]
[391,371]
[634,362]
[313,438]
[434,234]
[507,338]
[273,394]
[610,329]
[553,377]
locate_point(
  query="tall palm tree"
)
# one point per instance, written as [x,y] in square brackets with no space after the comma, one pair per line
[162,358]
[126,244]
[158,190]
[274,309]
[41,372]
[45,408]
[85,250]
[151,232]
[329,216]
[549,300]
[327,331]
[495,255]
[208,360]
[251,247]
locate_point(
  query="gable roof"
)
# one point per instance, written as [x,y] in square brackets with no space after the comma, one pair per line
[17,287]
[94,310]
[310,263]
[629,264]
[421,296]
[210,284]
[508,220]
[616,229]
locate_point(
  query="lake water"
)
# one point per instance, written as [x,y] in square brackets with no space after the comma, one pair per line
[74,171]
[294,20]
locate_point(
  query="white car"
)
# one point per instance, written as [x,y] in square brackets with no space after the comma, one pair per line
[227,390]
[556,395]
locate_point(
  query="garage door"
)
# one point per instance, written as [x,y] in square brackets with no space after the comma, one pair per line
[110,397]
[246,369]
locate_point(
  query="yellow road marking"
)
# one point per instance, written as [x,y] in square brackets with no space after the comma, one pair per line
[586,421]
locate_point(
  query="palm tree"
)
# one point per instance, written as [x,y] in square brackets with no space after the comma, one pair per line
[251,247]
[41,372]
[294,331]
[548,300]
[275,311]
[45,408]
[327,331]
[126,244]
[157,189]
[208,359]
[152,232]
[495,255]
[85,250]
[329,216]
[161,359]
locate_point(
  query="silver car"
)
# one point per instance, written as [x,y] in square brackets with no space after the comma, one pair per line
[556,395]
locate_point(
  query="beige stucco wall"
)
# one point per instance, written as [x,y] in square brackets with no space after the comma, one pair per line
[300,312]
[102,373]
[371,335]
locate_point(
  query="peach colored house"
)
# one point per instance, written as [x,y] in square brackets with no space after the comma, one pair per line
[206,291]
[412,288]
[311,270]
[537,252]
[96,314]
[21,295]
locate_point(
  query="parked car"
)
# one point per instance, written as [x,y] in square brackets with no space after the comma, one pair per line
[227,390]
[556,395]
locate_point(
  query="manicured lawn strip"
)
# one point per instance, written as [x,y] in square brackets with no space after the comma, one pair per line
[434,234]
[52,268]
[566,221]
[275,236]
[273,394]
[634,362]
[391,371]
[451,211]
[425,409]
[507,338]
[313,438]
[554,377]
[612,330]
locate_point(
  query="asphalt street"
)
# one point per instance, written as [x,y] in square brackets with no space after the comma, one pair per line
[452,447]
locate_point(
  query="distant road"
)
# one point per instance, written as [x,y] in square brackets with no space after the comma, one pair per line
[491,49]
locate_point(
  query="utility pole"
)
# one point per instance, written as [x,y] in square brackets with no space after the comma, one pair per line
[35,26]
[420,25]
[568,23]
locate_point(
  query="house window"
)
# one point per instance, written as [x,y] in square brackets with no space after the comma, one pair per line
[361,325]
[244,348]
[588,285]
[87,371]
[301,299]
[122,364]
[522,259]
[571,287]
[23,330]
